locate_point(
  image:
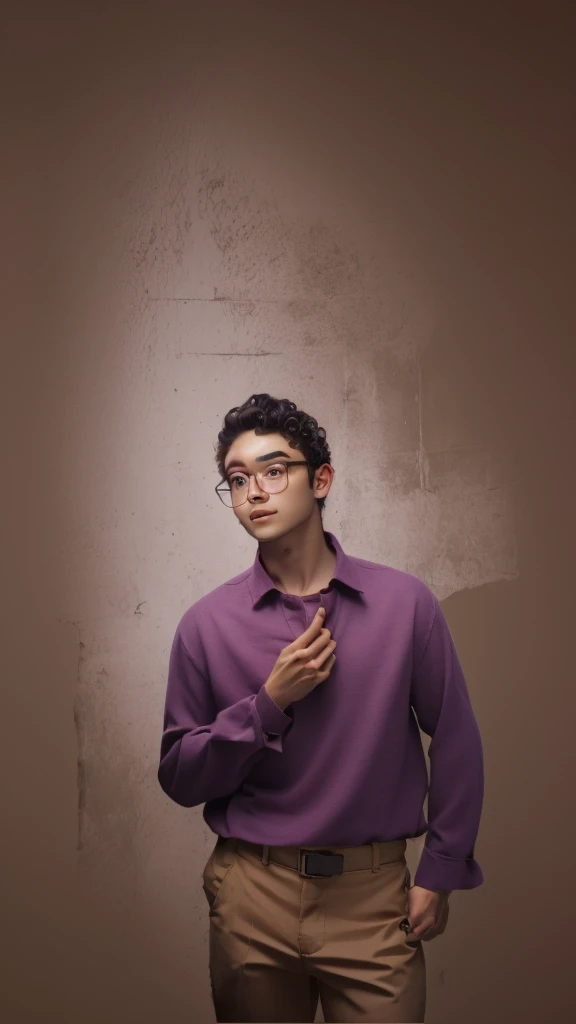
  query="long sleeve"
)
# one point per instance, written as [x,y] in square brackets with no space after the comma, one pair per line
[205,755]
[442,705]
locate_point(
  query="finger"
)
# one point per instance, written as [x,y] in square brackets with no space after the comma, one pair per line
[420,937]
[318,646]
[418,931]
[413,935]
[436,927]
[313,629]
[328,652]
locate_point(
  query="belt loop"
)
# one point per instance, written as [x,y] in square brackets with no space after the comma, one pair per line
[265,854]
[375,856]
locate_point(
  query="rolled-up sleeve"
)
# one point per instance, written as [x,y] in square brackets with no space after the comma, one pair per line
[205,754]
[442,704]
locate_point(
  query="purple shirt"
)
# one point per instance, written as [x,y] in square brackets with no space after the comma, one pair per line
[345,765]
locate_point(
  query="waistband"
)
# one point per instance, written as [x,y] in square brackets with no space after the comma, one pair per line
[353,858]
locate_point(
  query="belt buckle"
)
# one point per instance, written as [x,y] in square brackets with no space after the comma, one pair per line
[336,858]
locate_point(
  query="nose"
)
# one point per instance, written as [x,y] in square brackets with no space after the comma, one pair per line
[253,488]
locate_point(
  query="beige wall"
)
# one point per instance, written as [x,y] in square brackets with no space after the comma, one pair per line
[368,209]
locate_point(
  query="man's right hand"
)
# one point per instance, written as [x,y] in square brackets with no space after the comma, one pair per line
[304,663]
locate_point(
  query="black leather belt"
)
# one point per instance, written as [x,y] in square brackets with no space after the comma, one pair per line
[319,863]
[325,863]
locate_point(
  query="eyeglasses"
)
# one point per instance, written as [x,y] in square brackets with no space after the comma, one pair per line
[272,480]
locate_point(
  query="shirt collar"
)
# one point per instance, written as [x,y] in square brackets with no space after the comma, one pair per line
[346,571]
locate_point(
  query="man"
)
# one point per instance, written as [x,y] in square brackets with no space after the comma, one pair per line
[290,712]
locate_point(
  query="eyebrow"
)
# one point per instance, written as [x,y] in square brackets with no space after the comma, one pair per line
[259,458]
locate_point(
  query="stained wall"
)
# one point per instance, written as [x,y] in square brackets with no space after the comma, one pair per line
[365,208]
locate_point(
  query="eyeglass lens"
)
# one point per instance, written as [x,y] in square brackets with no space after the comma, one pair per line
[272,480]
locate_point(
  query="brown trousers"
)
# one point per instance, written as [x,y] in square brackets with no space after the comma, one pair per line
[280,941]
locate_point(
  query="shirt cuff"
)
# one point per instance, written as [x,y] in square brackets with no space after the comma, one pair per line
[438,872]
[274,722]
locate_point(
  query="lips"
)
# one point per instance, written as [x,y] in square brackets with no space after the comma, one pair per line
[261,515]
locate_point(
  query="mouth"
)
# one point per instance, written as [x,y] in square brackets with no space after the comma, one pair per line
[258,517]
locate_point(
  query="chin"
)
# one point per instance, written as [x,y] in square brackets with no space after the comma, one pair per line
[266,531]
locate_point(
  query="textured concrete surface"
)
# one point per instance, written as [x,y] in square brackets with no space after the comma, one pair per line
[365,210]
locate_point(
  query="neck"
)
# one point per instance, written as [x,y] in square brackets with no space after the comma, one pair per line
[300,562]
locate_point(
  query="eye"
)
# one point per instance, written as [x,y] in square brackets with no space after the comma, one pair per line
[235,480]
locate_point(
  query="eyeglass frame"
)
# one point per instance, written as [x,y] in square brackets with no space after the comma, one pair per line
[294,462]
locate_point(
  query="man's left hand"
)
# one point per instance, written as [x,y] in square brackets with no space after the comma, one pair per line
[427,913]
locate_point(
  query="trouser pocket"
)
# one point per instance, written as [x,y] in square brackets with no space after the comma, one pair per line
[218,869]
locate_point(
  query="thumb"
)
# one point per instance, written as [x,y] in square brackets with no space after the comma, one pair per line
[305,639]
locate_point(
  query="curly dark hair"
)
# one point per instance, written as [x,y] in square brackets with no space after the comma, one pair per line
[267,415]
